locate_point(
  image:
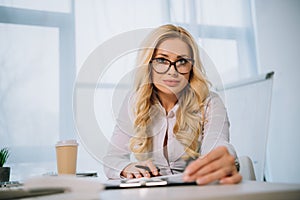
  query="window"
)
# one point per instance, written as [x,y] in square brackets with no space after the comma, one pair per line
[45,43]
[37,75]
[225,31]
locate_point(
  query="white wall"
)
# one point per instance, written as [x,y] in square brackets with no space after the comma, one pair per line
[278,43]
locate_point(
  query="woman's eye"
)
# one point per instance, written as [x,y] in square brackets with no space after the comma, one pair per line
[161,60]
[182,61]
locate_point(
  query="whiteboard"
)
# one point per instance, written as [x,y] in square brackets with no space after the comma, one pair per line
[248,104]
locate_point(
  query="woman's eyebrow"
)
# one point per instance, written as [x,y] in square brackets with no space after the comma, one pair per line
[162,54]
[167,56]
[183,56]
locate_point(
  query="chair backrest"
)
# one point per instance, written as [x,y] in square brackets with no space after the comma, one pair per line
[246,168]
[248,104]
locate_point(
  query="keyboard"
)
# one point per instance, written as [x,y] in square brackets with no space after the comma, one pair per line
[14,190]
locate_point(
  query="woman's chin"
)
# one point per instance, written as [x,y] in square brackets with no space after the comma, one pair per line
[170,90]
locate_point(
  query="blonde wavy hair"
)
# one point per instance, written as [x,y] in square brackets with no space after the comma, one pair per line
[190,113]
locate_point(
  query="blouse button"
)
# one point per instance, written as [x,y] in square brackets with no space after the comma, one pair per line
[171,114]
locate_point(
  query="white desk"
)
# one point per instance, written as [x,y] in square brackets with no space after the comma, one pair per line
[245,190]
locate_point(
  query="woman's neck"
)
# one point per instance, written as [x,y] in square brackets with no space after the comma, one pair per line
[168,101]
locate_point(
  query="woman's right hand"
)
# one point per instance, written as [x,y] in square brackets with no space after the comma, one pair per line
[132,171]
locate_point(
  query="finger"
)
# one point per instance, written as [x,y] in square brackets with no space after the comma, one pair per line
[209,168]
[134,172]
[223,162]
[129,175]
[128,170]
[235,178]
[202,161]
[214,176]
[143,172]
[193,167]
[152,168]
[137,175]
[146,174]
[223,167]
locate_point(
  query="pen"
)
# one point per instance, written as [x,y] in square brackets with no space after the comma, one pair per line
[146,168]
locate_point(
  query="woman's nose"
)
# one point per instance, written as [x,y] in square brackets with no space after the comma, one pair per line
[172,70]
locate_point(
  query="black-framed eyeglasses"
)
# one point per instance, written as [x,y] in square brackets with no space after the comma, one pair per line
[163,65]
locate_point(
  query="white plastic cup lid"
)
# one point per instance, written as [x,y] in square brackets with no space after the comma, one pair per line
[67,143]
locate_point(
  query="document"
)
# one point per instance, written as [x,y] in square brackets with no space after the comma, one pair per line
[168,180]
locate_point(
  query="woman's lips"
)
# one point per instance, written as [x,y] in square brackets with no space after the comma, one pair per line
[171,83]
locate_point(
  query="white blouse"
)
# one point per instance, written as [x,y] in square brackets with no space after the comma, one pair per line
[215,133]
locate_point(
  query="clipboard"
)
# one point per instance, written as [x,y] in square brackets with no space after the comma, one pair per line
[144,182]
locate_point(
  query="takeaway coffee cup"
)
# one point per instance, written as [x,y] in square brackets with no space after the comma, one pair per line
[66,156]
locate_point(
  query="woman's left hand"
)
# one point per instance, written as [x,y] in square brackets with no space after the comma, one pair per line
[217,165]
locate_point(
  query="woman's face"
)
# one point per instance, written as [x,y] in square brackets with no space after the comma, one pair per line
[171,82]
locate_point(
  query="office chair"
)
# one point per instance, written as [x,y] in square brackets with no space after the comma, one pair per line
[246,168]
[248,104]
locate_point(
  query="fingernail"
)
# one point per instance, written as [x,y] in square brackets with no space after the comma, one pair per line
[185,178]
[186,172]
[221,181]
[200,181]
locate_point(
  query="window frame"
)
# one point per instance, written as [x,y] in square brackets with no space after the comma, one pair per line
[244,37]
[64,22]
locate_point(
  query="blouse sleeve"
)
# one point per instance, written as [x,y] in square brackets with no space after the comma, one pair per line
[118,153]
[216,126]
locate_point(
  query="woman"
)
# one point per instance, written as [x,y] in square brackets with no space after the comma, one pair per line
[172,123]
